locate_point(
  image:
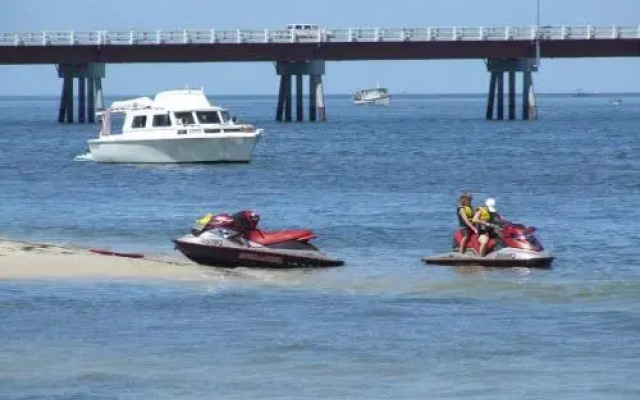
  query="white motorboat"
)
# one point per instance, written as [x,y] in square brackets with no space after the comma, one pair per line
[374,96]
[177,126]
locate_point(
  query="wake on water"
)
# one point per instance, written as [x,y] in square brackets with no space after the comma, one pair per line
[83,157]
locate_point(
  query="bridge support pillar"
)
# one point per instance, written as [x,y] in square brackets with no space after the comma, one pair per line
[500,94]
[287,98]
[89,78]
[314,69]
[312,98]
[299,111]
[281,97]
[497,67]
[319,95]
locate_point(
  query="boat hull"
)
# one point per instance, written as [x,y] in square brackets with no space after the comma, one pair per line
[231,257]
[500,260]
[180,149]
[381,101]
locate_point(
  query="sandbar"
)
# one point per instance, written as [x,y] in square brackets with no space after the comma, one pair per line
[24,260]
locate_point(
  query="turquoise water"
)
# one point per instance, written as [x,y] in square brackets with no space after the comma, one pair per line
[379,186]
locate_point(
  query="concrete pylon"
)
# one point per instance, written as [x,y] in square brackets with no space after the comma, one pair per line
[89,78]
[286,70]
[497,67]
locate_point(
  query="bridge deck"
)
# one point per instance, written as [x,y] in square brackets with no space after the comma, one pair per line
[325,44]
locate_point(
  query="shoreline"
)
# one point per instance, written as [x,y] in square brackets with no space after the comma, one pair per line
[34,261]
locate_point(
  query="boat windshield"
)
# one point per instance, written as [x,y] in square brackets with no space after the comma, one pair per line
[185,117]
[208,117]
[117,122]
[224,115]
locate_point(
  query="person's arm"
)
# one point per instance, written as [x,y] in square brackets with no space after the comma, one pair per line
[501,219]
[476,218]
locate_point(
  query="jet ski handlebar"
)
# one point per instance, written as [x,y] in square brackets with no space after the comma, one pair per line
[494,227]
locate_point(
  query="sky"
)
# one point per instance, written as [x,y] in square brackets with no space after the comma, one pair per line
[442,76]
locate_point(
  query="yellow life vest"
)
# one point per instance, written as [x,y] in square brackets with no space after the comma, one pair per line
[202,223]
[485,215]
[468,210]
[204,220]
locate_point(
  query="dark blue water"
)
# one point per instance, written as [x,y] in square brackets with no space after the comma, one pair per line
[379,186]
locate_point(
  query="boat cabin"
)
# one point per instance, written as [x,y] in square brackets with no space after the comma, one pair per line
[183,111]
[162,119]
[371,93]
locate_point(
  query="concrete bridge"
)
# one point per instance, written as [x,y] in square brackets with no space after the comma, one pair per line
[83,55]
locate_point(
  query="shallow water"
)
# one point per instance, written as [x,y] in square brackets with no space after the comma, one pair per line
[379,187]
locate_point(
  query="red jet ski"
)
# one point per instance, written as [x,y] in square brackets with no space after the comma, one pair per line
[512,245]
[234,240]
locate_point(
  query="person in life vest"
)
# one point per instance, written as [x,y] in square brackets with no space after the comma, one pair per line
[465,215]
[201,224]
[486,218]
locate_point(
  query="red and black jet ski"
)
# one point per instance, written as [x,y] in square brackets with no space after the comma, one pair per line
[511,245]
[234,240]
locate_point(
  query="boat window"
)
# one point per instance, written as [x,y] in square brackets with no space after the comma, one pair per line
[117,122]
[225,116]
[208,117]
[186,117]
[139,121]
[161,120]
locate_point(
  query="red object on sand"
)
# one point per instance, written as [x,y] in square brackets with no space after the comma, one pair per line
[116,253]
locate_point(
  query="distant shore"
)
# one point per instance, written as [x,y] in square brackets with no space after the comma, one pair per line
[24,260]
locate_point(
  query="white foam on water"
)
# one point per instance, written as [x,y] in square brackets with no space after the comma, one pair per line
[83,157]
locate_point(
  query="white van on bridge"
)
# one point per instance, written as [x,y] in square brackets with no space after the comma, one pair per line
[304,31]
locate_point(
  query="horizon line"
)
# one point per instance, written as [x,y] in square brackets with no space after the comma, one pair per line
[577,93]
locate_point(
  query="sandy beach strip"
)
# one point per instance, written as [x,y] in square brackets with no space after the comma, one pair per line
[23,260]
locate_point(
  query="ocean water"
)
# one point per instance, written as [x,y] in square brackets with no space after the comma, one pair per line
[379,186]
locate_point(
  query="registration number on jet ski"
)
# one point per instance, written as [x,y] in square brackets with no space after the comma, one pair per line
[506,255]
[211,241]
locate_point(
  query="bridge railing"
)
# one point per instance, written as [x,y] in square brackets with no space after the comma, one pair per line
[419,34]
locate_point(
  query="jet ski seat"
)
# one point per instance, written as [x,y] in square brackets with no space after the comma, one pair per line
[266,238]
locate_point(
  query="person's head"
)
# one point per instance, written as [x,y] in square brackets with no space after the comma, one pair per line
[490,202]
[465,199]
[253,218]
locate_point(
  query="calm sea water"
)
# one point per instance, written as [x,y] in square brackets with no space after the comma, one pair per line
[379,186]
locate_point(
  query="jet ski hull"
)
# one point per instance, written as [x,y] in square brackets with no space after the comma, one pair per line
[232,256]
[502,260]
[511,245]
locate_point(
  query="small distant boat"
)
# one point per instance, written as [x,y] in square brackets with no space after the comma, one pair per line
[376,96]
[580,93]
[616,102]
